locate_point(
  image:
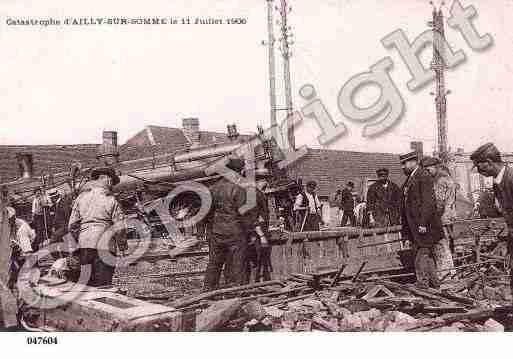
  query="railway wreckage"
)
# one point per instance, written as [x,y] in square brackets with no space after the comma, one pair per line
[337,279]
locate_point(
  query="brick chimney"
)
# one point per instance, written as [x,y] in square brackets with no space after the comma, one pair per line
[108,153]
[25,165]
[191,130]
[233,134]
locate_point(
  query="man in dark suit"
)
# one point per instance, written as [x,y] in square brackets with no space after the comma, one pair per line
[383,201]
[348,205]
[421,223]
[488,161]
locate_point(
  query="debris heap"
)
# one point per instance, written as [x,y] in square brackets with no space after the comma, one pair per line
[474,300]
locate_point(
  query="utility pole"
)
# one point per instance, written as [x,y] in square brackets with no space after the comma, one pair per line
[285,49]
[438,66]
[272,68]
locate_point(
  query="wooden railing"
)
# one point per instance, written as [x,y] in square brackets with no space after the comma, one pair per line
[381,248]
[304,252]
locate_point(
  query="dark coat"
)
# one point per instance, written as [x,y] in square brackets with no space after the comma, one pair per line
[385,203]
[504,193]
[419,209]
[58,214]
[347,201]
[225,219]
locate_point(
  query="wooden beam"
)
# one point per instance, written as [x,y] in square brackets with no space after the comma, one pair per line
[217,315]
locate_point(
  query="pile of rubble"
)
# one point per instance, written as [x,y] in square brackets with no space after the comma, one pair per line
[477,300]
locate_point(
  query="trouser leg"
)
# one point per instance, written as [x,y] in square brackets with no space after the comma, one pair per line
[265,262]
[312,223]
[352,219]
[103,271]
[39,229]
[345,217]
[216,261]
[250,263]
[300,219]
[443,256]
[234,264]
[425,268]
[449,233]
[87,259]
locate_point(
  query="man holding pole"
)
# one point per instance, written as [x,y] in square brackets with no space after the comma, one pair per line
[308,204]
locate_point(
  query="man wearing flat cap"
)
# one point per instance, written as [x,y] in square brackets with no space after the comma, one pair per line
[488,161]
[229,229]
[383,201]
[94,212]
[445,194]
[421,223]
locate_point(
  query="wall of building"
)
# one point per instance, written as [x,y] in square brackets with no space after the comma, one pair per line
[332,169]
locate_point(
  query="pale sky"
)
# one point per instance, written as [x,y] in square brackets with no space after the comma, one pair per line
[64,85]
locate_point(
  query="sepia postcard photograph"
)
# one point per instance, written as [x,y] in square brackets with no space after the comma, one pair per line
[273,166]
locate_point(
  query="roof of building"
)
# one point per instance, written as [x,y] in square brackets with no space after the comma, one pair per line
[151,141]
[49,158]
[174,138]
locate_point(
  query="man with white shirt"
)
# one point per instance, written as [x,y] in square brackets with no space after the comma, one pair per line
[22,238]
[488,161]
[308,205]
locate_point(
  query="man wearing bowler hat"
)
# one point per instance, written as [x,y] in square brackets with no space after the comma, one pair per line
[488,161]
[383,201]
[421,223]
[94,212]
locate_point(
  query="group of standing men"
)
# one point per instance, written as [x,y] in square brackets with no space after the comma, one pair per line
[381,208]
[428,211]
[429,208]
[88,219]
[239,242]
[425,206]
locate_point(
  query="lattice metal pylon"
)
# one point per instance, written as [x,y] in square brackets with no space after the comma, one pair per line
[438,65]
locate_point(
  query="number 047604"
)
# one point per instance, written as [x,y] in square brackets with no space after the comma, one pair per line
[41,340]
